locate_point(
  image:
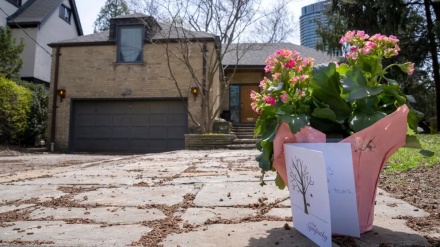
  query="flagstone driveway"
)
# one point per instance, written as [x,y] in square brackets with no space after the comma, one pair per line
[182,198]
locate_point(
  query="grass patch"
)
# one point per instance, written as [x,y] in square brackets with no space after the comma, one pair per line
[408,158]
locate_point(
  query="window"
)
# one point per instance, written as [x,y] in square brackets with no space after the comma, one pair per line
[65,13]
[130,44]
[15,2]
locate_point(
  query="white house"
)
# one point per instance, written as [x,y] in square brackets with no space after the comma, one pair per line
[38,23]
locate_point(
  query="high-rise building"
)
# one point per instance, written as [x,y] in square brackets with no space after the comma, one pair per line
[310,14]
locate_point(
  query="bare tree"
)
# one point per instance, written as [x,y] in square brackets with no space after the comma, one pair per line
[278,25]
[229,21]
[300,180]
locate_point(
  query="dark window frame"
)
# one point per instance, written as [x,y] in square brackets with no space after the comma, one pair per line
[14,2]
[119,59]
[62,14]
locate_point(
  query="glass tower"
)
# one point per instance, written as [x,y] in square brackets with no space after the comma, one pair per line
[310,14]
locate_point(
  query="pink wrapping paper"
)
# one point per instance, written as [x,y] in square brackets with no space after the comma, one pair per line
[371,148]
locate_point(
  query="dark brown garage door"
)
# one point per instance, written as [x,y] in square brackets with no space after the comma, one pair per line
[128,126]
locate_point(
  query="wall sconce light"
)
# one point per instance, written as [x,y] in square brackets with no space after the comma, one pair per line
[195,91]
[61,93]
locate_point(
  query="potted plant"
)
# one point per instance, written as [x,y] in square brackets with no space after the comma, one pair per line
[354,100]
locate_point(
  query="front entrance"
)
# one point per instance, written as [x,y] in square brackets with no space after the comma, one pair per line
[240,103]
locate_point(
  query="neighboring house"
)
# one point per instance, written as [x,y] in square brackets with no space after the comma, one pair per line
[245,70]
[119,92]
[38,23]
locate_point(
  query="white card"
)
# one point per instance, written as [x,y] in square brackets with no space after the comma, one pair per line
[307,183]
[341,186]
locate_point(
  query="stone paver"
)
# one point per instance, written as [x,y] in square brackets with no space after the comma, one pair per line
[16,192]
[62,234]
[198,216]
[136,196]
[102,215]
[239,193]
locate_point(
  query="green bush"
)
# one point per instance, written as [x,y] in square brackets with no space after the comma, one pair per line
[14,108]
[37,117]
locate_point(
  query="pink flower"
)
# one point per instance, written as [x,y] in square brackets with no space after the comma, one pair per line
[361,35]
[276,75]
[283,97]
[301,93]
[267,68]
[263,83]
[271,101]
[290,64]
[407,67]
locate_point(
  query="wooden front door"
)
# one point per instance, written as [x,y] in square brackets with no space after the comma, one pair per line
[247,115]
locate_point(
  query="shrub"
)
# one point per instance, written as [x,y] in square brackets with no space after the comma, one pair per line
[14,108]
[37,117]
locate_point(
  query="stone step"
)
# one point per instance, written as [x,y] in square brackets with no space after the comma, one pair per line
[241,146]
[245,141]
[244,136]
[242,130]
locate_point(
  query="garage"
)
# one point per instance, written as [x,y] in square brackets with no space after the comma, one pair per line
[128,126]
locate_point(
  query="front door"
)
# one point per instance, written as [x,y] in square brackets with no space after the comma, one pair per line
[247,115]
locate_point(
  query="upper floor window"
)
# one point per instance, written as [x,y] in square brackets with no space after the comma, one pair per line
[15,2]
[65,13]
[130,44]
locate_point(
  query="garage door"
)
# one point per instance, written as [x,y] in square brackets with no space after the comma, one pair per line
[128,126]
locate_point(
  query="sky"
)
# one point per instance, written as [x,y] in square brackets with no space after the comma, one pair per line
[88,11]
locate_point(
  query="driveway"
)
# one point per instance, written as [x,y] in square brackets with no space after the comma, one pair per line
[182,198]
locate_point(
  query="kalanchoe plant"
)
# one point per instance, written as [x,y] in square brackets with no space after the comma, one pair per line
[335,98]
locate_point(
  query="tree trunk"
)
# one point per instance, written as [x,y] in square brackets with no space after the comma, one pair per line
[434,54]
[306,210]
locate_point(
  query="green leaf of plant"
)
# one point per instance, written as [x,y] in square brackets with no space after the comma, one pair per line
[325,113]
[355,86]
[296,122]
[343,68]
[265,158]
[269,134]
[279,182]
[367,105]
[326,88]
[371,64]
[412,142]
[394,91]
[426,153]
[391,81]
[361,121]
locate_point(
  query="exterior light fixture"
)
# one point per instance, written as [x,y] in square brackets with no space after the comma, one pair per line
[61,93]
[195,91]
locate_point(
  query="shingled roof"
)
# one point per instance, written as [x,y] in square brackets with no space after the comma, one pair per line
[36,12]
[254,54]
[167,32]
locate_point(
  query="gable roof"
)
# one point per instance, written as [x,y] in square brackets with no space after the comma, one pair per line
[167,32]
[255,54]
[34,13]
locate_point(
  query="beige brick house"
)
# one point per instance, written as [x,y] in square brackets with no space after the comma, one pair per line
[113,91]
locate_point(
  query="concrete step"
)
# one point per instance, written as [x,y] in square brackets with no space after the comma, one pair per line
[244,136]
[245,141]
[242,130]
[241,146]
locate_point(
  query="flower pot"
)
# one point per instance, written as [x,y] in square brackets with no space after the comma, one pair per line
[371,148]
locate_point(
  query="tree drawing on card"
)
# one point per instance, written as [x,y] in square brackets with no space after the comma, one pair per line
[300,179]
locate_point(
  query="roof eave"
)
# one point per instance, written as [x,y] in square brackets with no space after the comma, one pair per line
[13,24]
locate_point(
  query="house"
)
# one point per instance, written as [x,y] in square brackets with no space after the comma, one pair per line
[38,23]
[244,68]
[113,91]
